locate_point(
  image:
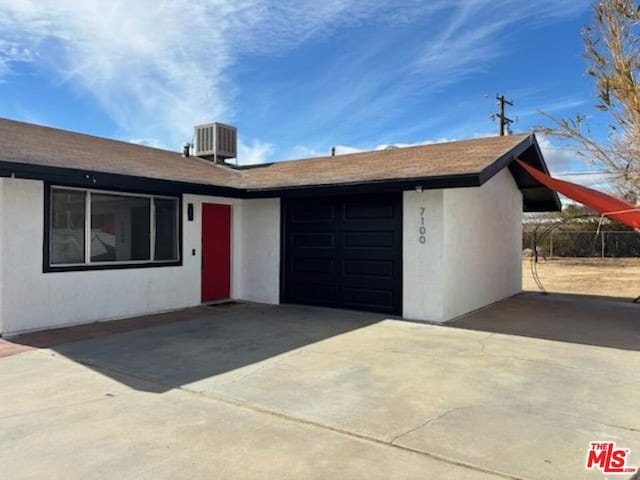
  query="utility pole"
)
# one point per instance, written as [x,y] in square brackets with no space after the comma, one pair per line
[504,120]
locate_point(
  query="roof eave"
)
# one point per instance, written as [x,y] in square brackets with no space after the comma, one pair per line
[398,184]
[112,181]
[528,150]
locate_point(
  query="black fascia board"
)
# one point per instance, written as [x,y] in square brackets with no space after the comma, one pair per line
[91,179]
[505,160]
[527,148]
[395,185]
[120,182]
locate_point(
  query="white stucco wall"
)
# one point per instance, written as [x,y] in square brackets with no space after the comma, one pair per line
[483,239]
[472,254]
[471,258]
[33,300]
[423,269]
[258,268]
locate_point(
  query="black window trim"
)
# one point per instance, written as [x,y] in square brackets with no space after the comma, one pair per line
[48,268]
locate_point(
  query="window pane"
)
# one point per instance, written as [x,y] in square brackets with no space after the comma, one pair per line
[67,226]
[119,228]
[166,247]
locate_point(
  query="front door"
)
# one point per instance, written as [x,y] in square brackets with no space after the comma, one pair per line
[216,252]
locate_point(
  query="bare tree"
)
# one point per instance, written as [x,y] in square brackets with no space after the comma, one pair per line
[612,47]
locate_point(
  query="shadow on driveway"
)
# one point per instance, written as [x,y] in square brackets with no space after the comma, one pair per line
[578,319]
[175,349]
[172,350]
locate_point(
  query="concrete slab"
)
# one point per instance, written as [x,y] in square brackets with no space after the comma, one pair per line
[568,318]
[512,405]
[103,428]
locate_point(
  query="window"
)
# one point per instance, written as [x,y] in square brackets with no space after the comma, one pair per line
[166,246]
[95,228]
[120,228]
[67,226]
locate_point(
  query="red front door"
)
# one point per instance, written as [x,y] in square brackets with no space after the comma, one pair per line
[216,252]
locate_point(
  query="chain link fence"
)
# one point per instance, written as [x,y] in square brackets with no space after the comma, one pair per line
[567,243]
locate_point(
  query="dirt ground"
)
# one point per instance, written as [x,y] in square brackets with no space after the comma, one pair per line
[611,277]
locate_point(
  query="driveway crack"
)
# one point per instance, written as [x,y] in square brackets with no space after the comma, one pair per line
[56,407]
[425,423]
[302,421]
[483,348]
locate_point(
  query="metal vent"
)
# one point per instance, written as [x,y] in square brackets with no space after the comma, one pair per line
[216,141]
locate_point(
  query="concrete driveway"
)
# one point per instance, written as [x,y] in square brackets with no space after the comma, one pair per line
[288,392]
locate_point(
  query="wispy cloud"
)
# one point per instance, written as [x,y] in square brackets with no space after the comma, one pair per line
[598,181]
[157,68]
[255,152]
[138,59]
[308,152]
[560,159]
[478,31]
[252,153]
[383,78]
[552,107]
[163,64]
[566,164]
[12,53]
[149,142]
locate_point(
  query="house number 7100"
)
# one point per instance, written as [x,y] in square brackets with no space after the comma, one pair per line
[422,230]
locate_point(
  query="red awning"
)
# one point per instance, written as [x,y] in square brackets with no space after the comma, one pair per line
[610,206]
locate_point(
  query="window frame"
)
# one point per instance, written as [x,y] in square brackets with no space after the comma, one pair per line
[108,265]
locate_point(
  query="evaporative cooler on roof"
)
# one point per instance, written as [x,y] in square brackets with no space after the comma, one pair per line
[216,141]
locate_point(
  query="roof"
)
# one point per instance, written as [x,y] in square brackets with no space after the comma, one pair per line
[30,150]
[434,160]
[50,147]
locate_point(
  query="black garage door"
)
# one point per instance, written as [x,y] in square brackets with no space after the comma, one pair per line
[344,252]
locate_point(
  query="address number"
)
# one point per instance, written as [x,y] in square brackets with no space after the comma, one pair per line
[422,229]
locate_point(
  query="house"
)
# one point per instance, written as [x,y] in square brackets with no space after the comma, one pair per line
[94,229]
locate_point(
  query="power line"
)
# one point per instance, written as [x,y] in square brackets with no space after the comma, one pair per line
[504,120]
[586,172]
[562,149]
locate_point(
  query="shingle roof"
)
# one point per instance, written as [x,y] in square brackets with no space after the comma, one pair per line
[25,143]
[424,161]
[44,146]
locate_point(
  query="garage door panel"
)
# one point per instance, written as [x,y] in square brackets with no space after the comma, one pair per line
[370,225]
[313,213]
[368,298]
[315,293]
[344,252]
[315,227]
[368,211]
[368,268]
[368,282]
[299,280]
[314,265]
[370,253]
[375,239]
[301,253]
[314,240]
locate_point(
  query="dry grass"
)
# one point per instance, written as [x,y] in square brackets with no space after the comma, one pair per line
[611,277]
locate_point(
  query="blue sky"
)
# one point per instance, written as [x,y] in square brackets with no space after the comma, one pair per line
[296,77]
